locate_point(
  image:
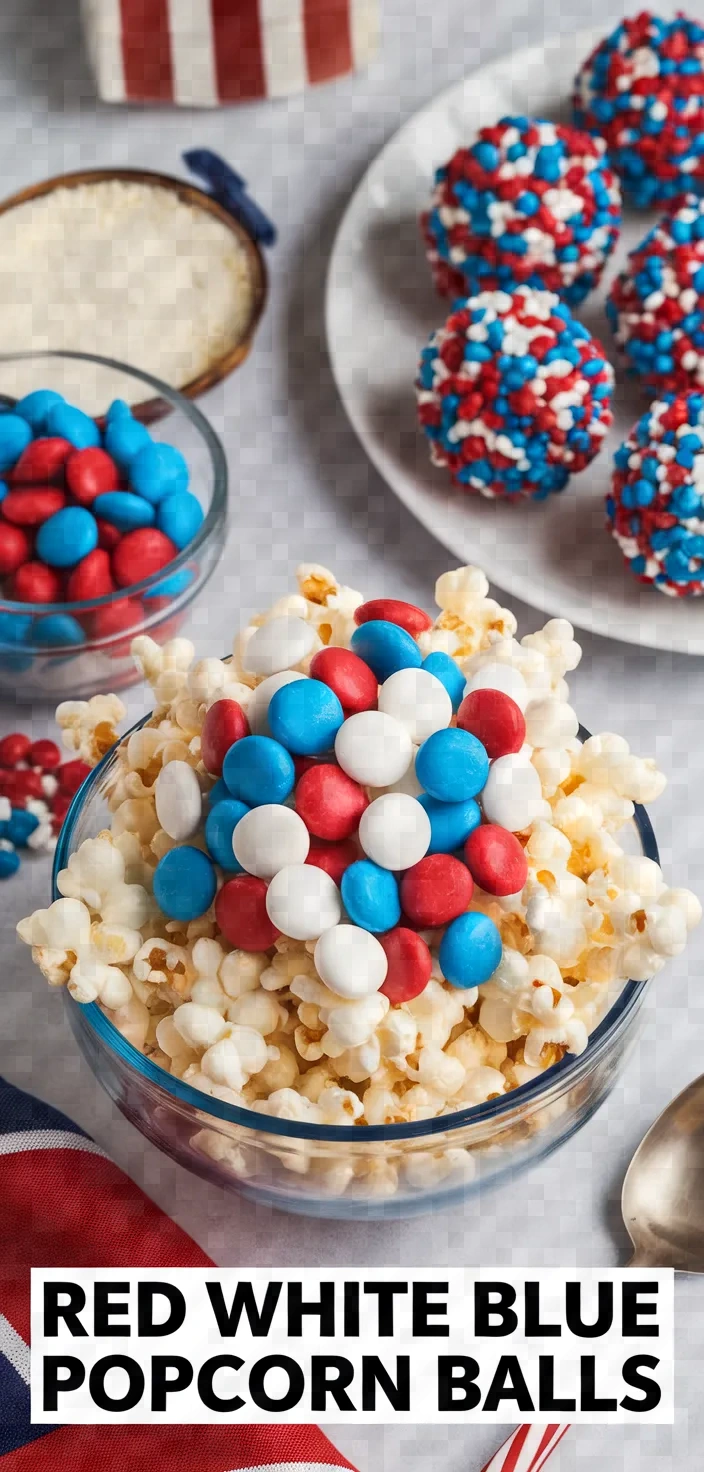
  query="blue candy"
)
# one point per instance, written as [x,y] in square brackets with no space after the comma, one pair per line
[370,896]
[171,587]
[124,438]
[450,822]
[219,793]
[259,770]
[57,630]
[220,825]
[34,407]
[72,424]
[386,648]
[184,883]
[179,517]
[470,950]
[20,826]
[447,671]
[15,435]
[118,410]
[9,862]
[3,490]
[124,510]
[15,631]
[157,471]
[67,537]
[305,717]
[452,765]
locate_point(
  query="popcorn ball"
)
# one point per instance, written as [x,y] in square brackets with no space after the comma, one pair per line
[655,509]
[514,394]
[530,202]
[656,306]
[642,91]
[323,938]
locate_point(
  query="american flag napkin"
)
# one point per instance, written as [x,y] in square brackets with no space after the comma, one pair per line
[200,53]
[64,1204]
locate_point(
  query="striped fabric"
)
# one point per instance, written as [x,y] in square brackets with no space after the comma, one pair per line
[64,1204]
[527,1449]
[201,53]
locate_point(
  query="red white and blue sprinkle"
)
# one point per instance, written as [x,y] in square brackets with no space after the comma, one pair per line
[656,306]
[655,509]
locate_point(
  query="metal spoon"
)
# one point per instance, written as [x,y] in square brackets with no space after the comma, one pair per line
[663,1194]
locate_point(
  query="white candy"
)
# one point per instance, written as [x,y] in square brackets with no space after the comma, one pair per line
[269,838]
[373,748]
[498,676]
[513,795]
[394,831]
[418,700]
[277,645]
[178,800]
[350,961]
[302,901]
[258,707]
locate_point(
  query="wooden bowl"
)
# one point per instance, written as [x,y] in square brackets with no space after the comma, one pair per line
[226,363]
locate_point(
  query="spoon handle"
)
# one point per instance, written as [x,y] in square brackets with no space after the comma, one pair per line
[527,1449]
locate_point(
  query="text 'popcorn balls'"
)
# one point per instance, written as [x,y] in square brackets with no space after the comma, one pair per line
[656,508]
[642,91]
[530,202]
[656,306]
[514,394]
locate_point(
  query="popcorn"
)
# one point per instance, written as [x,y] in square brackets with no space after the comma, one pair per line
[260,1030]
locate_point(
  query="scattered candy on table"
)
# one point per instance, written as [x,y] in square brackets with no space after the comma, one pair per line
[80,519]
[529,203]
[404,911]
[642,91]
[655,508]
[513,394]
[36,790]
[656,306]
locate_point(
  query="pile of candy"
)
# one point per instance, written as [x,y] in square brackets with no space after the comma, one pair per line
[642,91]
[86,514]
[514,394]
[655,509]
[529,203]
[365,872]
[656,306]
[36,789]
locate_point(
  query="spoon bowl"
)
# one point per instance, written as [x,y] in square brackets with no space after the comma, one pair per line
[663,1194]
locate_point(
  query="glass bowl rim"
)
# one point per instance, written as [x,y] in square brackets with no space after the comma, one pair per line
[552,1082]
[213,516]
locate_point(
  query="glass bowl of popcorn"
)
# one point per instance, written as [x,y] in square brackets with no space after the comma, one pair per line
[110,526]
[259,1066]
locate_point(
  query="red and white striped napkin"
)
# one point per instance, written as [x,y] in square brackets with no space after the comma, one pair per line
[201,53]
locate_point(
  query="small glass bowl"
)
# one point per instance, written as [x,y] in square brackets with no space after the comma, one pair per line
[35,668]
[347,1172]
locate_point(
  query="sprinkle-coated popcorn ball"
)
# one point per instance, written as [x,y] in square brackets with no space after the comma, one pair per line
[305,979]
[514,394]
[642,91]
[530,202]
[655,509]
[656,306]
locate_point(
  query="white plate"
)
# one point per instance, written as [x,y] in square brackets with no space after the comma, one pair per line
[380,308]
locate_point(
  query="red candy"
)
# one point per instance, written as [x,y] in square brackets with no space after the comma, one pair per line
[436,891]
[18,786]
[394,611]
[59,809]
[140,554]
[108,535]
[44,754]
[351,680]
[117,618]
[240,911]
[495,719]
[42,461]
[71,776]
[14,749]
[329,802]
[33,506]
[34,582]
[90,473]
[334,858]
[496,860]
[15,547]
[224,724]
[410,965]
[90,578]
